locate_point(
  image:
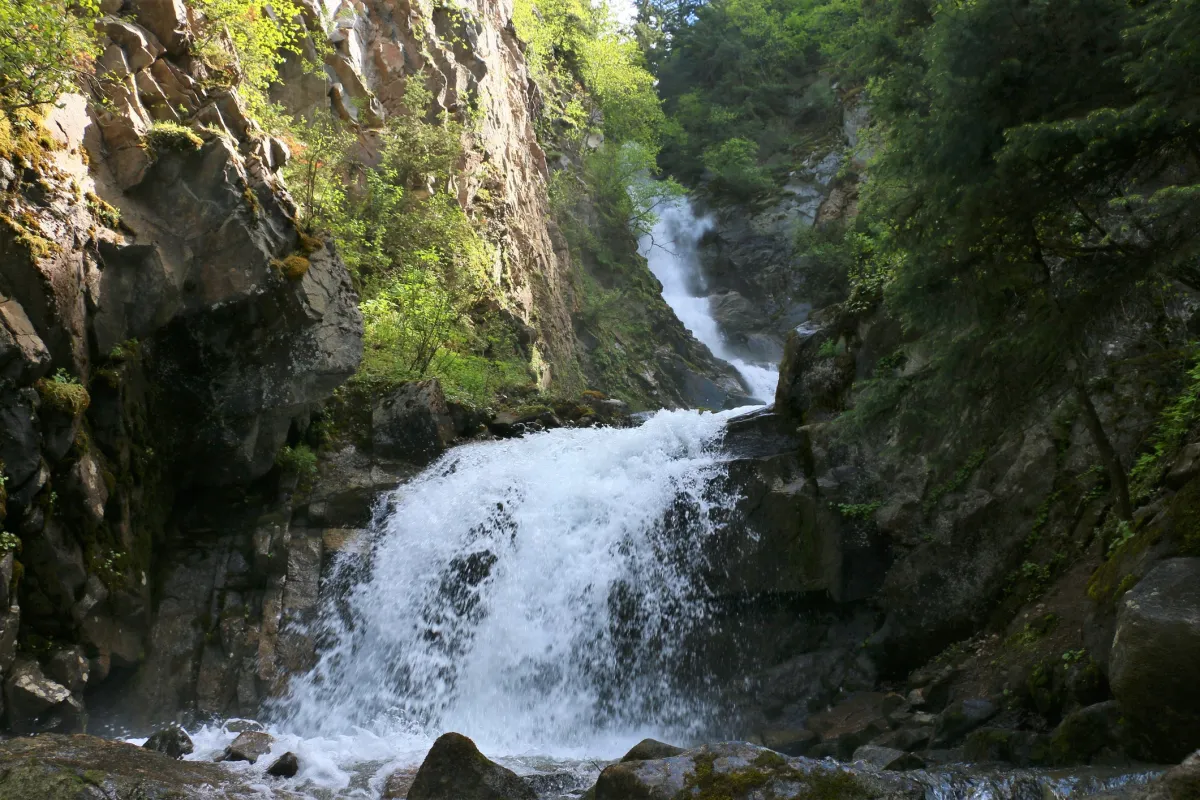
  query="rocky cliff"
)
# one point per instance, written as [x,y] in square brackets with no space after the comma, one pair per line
[152,343]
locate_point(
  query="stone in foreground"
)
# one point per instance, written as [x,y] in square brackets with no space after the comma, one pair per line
[171,741]
[286,766]
[57,767]
[249,746]
[1154,668]
[738,770]
[456,770]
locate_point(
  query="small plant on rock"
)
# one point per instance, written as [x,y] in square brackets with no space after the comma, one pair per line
[299,459]
[171,137]
[64,393]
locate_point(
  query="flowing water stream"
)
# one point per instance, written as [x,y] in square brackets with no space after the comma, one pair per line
[532,594]
[671,251]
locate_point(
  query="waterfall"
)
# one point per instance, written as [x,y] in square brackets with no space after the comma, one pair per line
[531,593]
[671,250]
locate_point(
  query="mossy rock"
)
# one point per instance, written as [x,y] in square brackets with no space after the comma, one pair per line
[68,397]
[294,267]
[171,137]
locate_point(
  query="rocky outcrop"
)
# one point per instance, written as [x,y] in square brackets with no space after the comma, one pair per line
[149,344]
[57,767]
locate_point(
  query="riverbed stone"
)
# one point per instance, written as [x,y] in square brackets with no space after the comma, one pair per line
[454,769]
[650,749]
[1153,665]
[286,766]
[172,741]
[249,746]
[35,703]
[960,718]
[888,758]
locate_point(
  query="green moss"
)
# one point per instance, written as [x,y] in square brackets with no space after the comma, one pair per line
[26,236]
[1033,632]
[106,213]
[63,393]
[1184,518]
[251,200]
[1116,571]
[171,137]
[706,783]
[293,267]
[309,244]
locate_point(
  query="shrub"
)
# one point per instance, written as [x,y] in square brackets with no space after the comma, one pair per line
[299,459]
[165,137]
[735,171]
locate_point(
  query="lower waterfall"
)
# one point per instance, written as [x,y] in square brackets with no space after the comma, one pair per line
[530,593]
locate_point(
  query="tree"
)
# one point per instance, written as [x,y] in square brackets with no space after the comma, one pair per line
[45,46]
[1033,182]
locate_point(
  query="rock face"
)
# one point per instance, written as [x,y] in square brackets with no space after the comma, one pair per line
[149,344]
[455,769]
[1154,656]
[413,421]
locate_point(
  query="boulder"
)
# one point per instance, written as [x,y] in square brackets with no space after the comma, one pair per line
[172,741]
[960,718]
[249,746]
[56,767]
[1087,732]
[1153,664]
[739,770]
[887,758]
[454,769]
[23,356]
[36,704]
[286,766]
[412,423]
[69,667]
[908,739]
[649,750]
[1006,745]
[789,741]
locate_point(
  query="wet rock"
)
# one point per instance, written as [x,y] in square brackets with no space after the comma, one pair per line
[455,769]
[397,784]
[742,770]
[887,758]
[1152,667]
[172,741]
[1005,745]
[1183,782]
[961,718]
[286,766]
[10,623]
[412,422]
[650,749]
[908,739]
[52,766]
[1087,732]
[789,741]
[36,704]
[249,746]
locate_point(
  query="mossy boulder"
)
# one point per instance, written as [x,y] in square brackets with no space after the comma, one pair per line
[738,771]
[56,767]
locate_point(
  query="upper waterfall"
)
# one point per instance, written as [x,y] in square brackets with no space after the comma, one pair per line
[671,251]
[531,592]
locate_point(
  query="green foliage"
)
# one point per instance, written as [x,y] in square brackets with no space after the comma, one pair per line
[9,542]
[171,137]
[748,71]
[859,511]
[45,46]
[734,167]
[245,41]
[299,459]
[1175,422]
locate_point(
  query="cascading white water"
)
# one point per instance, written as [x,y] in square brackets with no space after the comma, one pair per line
[671,250]
[530,593]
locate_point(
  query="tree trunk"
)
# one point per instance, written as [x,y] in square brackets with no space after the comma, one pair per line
[1108,454]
